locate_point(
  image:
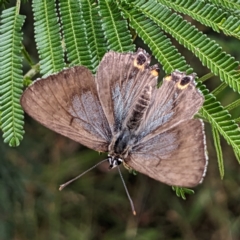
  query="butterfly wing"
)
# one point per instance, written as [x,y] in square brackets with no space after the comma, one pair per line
[175,101]
[176,157]
[121,78]
[68,104]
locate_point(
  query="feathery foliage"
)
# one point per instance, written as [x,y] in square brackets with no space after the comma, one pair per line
[220,119]
[85,30]
[47,36]
[159,44]
[208,51]
[181,192]
[115,27]
[217,144]
[95,33]
[11,79]
[3,3]
[207,14]
[231,5]
[74,33]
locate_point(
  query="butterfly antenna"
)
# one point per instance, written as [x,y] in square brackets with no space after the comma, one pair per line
[124,184]
[67,183]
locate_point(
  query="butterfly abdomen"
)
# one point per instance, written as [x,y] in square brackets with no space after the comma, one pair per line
[139,109]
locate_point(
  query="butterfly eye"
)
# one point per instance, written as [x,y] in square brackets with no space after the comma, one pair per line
[185,81]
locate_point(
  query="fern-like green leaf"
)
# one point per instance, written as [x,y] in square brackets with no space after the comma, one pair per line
[94,30]
[208,51]
[230,26]
[218,148]
[75,37]
[115,27]
[221,120]
[233,105]
[47,36]
[3,3]
[231,5]
[160,45]
[181,192]
[11,79]
[207,14]
[219,89]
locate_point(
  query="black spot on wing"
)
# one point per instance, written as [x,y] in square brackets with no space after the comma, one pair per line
[185,81]
[141,59]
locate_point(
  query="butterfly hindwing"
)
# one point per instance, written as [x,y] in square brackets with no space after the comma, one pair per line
[68,103]
[176,157]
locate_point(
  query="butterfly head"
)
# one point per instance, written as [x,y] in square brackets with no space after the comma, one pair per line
[114,161]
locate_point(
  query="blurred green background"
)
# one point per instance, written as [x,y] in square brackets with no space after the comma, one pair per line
[96,206]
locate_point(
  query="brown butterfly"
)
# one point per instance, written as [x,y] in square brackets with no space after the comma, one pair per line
[122,111]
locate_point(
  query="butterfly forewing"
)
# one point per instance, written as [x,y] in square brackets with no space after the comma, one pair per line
[175,101]
[121,78]
[68,104]
[176,157]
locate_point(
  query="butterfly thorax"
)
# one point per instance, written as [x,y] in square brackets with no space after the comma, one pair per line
[120,147]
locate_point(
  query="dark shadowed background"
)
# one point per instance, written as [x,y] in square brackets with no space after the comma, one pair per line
[96,206]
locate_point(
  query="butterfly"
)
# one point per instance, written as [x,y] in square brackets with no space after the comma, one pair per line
[121,111]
